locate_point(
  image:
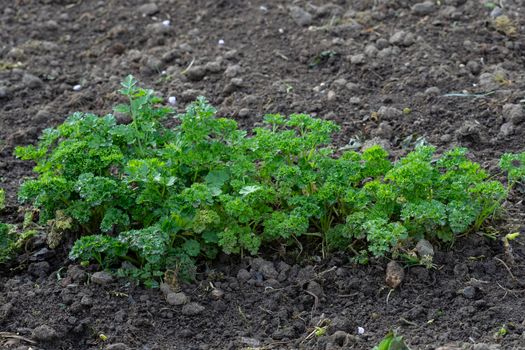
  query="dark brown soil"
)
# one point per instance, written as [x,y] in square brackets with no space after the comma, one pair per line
[382,69]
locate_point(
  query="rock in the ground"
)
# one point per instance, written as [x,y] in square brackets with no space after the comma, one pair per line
[217,293]
[44,333]
[32,81]
[389,113]
[370,50]
[394,274]
[423,8]
[384,131]
[148,9]
[232,70]
[506,129]
[513,113]
[192,309]
[470,133]
[101,277]
[385,144]
[190,95]
[424,248]
[77,273]
[3,92]
[5,311]
[358,59]
[196,73]
[117,346]
[177,299]
[470,292]
[300,16]
[267,269]
[340,338]
[243,275]
[315,288]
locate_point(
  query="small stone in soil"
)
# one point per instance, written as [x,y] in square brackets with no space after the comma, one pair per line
[469,292]
[424,248]
[117,346]
[394,274]
[300,16]
[513,113]
[315,288]
[101,277]
[176,298]
[192,309]
[423,8]
[243,275]
[148,9]
[44,333]
[196,73]
[31,81]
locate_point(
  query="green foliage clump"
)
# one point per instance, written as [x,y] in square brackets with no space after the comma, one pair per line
[159,198]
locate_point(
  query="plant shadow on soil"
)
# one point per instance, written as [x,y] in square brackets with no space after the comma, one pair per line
[385,54]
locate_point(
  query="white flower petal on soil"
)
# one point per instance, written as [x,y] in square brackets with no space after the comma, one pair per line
[77,87]
[360,330]
[221,42]
[166,23]
[172,100]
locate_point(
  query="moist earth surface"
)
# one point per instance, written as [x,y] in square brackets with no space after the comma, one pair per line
[392,72]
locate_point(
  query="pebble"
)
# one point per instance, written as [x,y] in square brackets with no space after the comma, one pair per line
[397,37]
[384,130]
[424,248]
[470,132]
[86,301]
[507,129]
[358,59]
[355,100]
[148,9]
[331,95]
[243,275]
[117,346]
[192,309]
[513,113]
[496,12]
[44,333]
[389,113]
[196,73]
[385,144]
[244,112]
[213,67]
[232,71]
[353,87]
[340,338]
[382,43]
[371,50]
[432,91]
[177,299]
[423,8]
[300,16]
[32,81]
[469,292]
[217,293]
[339,82]
[315,288]
[474,67]
[394,274]
[3,92]
[101,277]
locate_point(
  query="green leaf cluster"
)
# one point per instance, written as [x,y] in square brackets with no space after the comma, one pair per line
[159,197]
